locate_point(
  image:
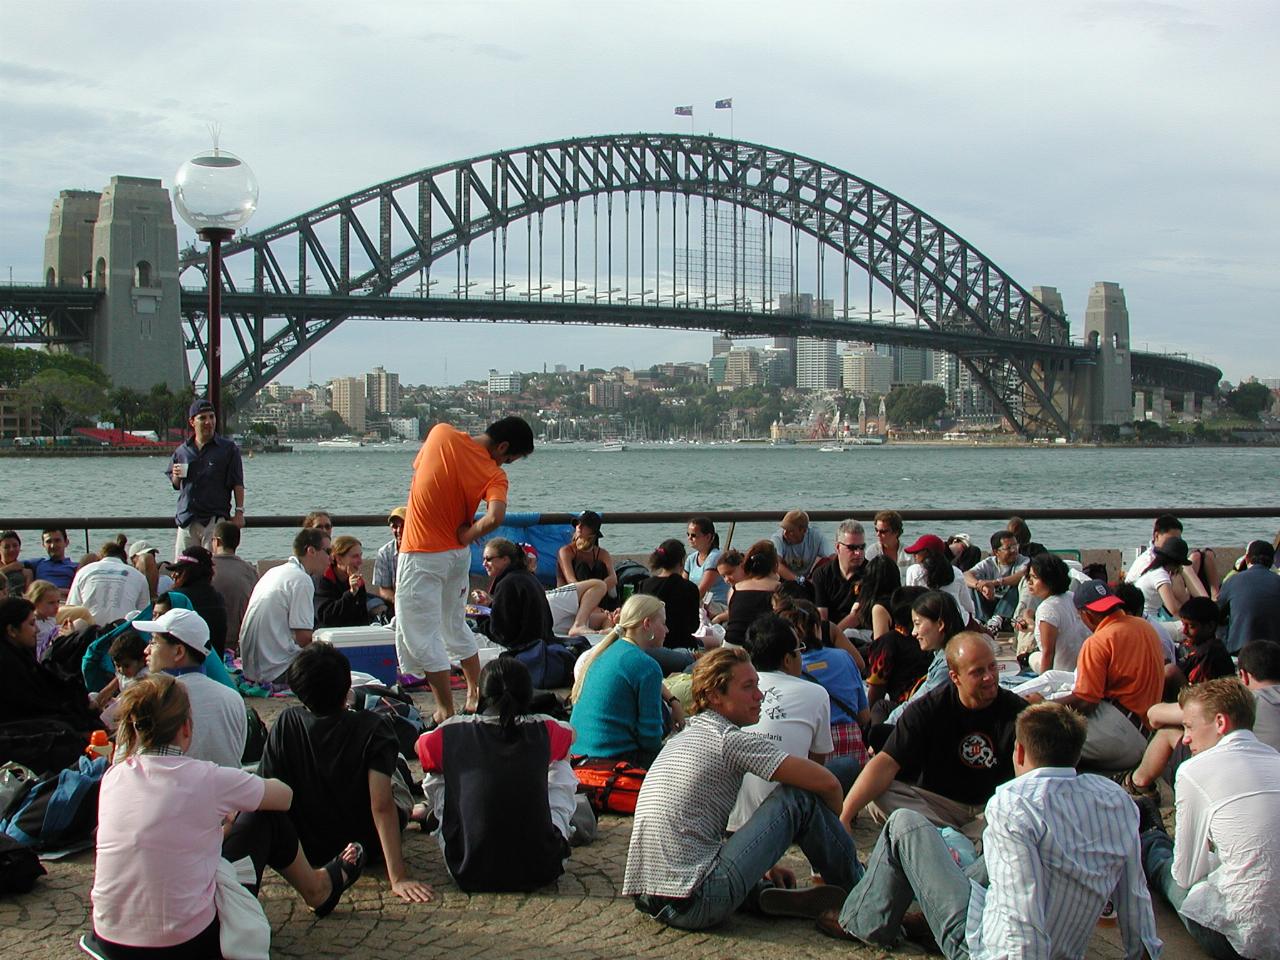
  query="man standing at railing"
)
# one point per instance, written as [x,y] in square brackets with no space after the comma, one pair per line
[207,473]
[453,473]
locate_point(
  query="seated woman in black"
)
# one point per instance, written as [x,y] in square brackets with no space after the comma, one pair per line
[500,784]
[752,596]
[582,558]
[34,698]
[681,598]
[192,574]
[341,598]
[520,617]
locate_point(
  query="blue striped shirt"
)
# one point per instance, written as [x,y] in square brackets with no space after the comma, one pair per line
[1057,846]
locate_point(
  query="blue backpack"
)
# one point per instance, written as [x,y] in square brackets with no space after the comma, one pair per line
[57,810]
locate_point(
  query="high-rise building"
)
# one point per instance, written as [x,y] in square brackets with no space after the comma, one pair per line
[606,394]
[505,382]
[347,401]
[910,364]
[742,367]
[721,343]
[716,368]
[866,373]
[817,367]
[778,366]
[382,392]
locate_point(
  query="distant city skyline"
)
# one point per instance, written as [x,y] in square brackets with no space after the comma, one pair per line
[1071,143]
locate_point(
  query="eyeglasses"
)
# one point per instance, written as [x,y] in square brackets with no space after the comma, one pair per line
[489,559]
[851,547]
[162,639]
[883,531]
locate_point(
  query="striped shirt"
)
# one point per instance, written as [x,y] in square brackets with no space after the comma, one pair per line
[685,803]
[1057,846]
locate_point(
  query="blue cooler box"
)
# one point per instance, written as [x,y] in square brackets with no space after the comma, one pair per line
[371,650]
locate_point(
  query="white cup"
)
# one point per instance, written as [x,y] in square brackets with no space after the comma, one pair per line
[180,471]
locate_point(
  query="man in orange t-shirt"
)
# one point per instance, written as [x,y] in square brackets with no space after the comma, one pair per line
[1119,675]
[452,474]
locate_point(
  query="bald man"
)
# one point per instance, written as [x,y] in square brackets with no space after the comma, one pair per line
[949,750]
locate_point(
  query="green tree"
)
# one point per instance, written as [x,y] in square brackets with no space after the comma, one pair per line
[1249,400]
[331,423]
[126,405]
[63,399]
[260,429]
[18,365]
[915,404]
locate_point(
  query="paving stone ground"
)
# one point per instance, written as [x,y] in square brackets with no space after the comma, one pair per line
[581,917]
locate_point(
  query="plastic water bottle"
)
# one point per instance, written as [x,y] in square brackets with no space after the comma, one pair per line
[99,746]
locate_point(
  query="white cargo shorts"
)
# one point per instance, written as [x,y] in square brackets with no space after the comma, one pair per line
[431,608]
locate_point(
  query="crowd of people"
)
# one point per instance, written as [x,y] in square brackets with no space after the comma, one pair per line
[1010,719]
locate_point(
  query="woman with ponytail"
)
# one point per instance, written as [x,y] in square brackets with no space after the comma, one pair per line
[753,595]
[618,695]
[501,786]
[157,898]
[681,598]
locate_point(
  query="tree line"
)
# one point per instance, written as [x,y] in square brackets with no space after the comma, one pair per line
[67,391]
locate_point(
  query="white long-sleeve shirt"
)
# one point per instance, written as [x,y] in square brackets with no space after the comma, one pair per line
[1226,848]
[1057,846]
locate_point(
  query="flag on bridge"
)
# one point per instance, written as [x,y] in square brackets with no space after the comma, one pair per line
[725,104]
[684,111]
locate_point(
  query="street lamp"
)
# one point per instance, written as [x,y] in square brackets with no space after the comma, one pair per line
[216,193]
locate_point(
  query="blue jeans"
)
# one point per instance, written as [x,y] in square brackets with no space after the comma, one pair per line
[910,862]
[1157,864]
[671,659]
[788,815]
[846,770]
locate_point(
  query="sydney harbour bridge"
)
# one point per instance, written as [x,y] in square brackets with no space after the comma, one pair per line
[640,230]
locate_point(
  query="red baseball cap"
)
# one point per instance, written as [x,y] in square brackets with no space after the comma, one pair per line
[927,542]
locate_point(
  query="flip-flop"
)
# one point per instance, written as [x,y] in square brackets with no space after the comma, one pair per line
[342,875]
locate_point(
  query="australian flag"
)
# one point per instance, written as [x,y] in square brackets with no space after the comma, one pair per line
[684,111]
[725,104]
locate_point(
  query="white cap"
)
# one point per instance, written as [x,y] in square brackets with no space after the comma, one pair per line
[141,546]
[186,625]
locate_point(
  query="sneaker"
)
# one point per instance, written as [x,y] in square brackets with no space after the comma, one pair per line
[995,624]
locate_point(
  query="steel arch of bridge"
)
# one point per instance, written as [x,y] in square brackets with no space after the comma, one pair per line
[1010,337]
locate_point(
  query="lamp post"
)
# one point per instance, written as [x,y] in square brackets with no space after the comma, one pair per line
[216,193]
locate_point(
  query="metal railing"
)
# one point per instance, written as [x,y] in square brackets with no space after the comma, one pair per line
[730,517]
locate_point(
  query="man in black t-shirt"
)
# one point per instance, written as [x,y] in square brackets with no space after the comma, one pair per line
[833,582]
[339,763]
[950,749]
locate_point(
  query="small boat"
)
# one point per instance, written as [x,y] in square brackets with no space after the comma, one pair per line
[832,448]
[342,443]
[609,446]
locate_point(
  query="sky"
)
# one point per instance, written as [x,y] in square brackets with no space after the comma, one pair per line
[1071,142]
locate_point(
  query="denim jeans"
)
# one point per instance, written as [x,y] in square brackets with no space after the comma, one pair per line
[910,862]
[846,770]
[1157,864]
[788,815]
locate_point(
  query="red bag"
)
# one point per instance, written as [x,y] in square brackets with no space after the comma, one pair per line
[611,786]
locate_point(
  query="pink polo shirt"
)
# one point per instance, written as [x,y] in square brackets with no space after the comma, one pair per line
[159,842]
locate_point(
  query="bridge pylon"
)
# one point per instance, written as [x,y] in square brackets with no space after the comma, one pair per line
[123,241]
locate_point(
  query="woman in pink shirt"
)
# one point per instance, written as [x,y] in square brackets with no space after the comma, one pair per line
[160,837]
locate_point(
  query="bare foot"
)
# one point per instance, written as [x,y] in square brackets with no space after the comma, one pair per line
[580,631]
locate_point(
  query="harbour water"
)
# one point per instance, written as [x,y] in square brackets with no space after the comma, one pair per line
[567,478]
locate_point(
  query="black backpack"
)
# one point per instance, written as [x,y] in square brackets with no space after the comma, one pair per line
[630,574]
[19,866]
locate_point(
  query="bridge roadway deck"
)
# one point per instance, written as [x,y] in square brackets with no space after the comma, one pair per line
[582,916]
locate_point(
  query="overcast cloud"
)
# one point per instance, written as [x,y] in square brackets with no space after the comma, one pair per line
[1070,142]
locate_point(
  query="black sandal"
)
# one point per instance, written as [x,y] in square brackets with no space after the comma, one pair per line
[342,875]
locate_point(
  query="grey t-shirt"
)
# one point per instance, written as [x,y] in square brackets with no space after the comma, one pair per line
[1266,727]
[799,557]
[686,800]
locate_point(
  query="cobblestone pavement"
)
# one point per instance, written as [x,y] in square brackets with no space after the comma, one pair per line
[581,916]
